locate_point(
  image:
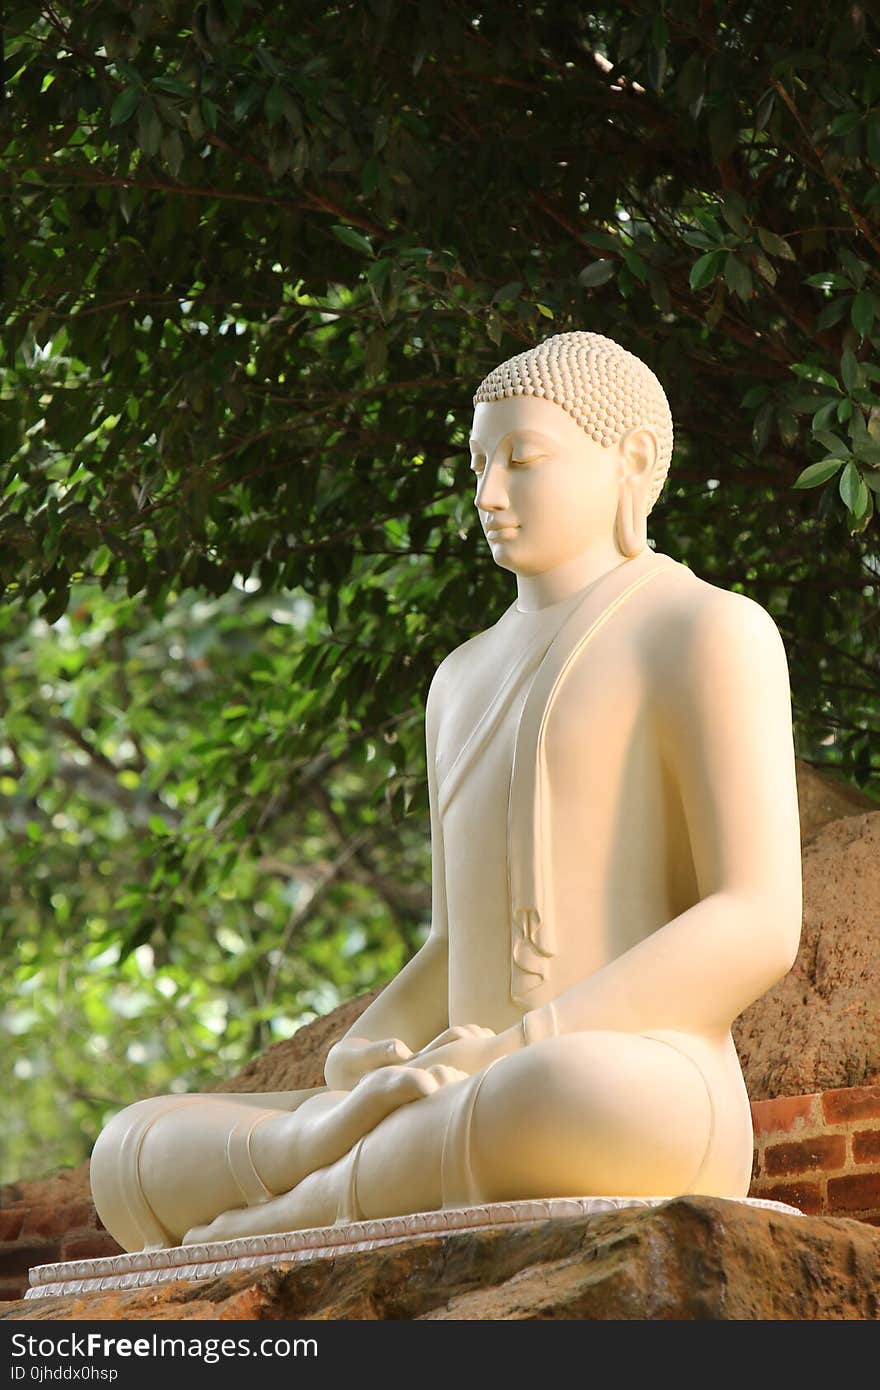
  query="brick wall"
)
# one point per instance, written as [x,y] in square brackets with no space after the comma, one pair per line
[818,1152]
[44,1221]
[821,1152]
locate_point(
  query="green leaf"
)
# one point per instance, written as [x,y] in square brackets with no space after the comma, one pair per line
[868,454]
[764,109]
[811,372]
[635,265]
[737,277]
[833,443]
[657,67]
[762,426]
[173,86]
[172,152]
[733,210]
[854,268]
[775,245]
[862,312]
[858,430]
[860,521]
[764,268]
[691,80]
[149,127]
[707,269]
[597,273]
[850,486]
[832,313]
[234,711]
[601,240]
[788,427]
[660,291]
[544,311]
[508,293]
[826,279]
[125,105]
[842,125]
[354,240]
[266,61]
[817,473]
[863,502]
[849,370]
[55,605]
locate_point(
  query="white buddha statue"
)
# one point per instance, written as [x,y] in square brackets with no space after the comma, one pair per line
[616,875]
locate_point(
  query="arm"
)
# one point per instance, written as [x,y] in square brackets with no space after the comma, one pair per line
[414,1007]
[724,720]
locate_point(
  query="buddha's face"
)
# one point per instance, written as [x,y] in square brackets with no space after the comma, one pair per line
[545,490]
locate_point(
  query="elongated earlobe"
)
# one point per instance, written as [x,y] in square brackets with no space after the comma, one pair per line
[632,520]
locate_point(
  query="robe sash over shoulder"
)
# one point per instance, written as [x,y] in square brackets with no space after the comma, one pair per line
[532,925]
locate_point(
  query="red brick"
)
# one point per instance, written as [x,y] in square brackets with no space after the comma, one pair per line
[89,1245]
[851,1103]
[10,1222]
[866,1145]
[784,1113]
[855,1192]
[19,1258]
[59,1220]
[825,1151]
[806,1196]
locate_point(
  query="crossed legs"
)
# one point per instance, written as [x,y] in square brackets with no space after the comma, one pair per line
[584,1114]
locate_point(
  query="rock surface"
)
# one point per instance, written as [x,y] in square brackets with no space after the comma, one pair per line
[695,1257]
[820,1027]
[823,797]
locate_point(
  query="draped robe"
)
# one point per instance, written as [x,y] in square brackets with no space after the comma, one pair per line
[534,683]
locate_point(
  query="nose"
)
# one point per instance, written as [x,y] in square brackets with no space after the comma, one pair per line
[491,492]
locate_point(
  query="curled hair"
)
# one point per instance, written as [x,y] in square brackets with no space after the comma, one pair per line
[604,388]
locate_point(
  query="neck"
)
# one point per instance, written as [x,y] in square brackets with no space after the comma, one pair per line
[535,591]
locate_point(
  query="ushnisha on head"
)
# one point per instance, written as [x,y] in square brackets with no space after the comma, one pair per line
[613,398]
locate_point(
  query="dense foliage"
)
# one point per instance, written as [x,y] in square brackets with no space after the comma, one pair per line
[256,261]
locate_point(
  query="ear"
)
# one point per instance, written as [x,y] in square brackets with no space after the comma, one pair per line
[639,451]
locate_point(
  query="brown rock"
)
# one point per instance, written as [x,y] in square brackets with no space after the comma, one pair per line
[61,1189]
[819,1028]
[823,797]
[693,1258]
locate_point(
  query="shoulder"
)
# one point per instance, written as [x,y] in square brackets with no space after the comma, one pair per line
[452,666]
[712,639]
[712,617]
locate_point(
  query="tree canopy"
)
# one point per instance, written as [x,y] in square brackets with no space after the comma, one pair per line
[256,263]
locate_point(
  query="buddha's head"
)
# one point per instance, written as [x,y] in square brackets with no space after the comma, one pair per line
[571,444]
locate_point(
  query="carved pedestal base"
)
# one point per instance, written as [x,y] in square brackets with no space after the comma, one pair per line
[149,1267]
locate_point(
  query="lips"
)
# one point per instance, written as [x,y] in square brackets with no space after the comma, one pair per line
[497,530]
